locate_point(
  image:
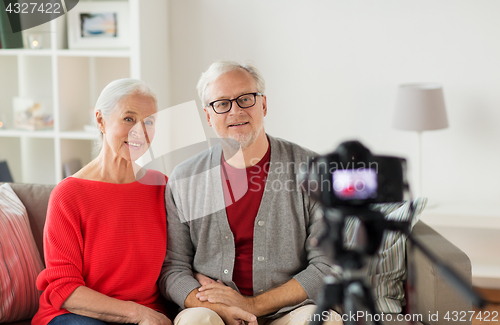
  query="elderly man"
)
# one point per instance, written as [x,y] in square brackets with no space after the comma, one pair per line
[238,224]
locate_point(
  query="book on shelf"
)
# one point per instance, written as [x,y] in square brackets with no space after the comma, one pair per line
[8,38]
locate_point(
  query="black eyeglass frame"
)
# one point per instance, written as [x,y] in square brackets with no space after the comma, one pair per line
[255,94]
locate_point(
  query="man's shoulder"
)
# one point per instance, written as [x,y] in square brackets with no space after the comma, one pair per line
[288,150]
[194,165]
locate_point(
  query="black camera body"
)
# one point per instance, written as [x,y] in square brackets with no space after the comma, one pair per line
[352,176]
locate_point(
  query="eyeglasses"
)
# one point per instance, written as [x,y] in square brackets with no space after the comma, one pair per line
[222,106]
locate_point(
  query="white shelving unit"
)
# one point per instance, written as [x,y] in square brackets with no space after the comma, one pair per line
[68,82]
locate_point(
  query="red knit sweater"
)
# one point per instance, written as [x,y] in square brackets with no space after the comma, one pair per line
[109,237]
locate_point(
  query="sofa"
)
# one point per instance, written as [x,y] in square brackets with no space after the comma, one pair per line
[433,295]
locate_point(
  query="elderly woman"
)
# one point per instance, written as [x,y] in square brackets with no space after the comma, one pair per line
[105,233]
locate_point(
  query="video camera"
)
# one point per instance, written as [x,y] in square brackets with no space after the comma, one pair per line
[352,176]
[345,183]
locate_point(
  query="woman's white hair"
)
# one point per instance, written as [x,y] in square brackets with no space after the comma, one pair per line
[116,92]
[219,68]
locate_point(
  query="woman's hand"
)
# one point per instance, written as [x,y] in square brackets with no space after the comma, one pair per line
[87,302]
[203,279]
[148,316]
[219,293]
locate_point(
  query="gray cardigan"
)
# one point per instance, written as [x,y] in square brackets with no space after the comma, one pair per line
[199,238]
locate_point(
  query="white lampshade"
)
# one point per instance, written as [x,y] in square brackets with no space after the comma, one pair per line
[420,107]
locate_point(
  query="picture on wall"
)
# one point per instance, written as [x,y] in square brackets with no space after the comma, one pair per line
[99,25]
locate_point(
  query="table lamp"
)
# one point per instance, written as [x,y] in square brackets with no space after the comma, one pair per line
[420,107]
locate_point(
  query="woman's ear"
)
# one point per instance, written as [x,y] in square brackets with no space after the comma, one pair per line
[100,121]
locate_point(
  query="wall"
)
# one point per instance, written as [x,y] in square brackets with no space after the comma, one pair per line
[333,67]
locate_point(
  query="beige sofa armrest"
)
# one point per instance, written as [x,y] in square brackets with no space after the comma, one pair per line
[435,294]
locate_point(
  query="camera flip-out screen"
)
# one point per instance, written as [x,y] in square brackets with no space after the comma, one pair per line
[357,184]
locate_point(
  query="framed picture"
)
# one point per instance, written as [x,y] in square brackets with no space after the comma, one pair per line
[99,25]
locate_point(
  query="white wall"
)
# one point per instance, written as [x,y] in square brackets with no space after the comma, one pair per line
[333,66]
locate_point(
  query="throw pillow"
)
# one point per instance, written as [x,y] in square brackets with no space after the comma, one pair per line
[20,261]
[386,270]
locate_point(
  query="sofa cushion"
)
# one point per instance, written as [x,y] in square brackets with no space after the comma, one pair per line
[386,270]
[21,322]
[35,198]
[20,260]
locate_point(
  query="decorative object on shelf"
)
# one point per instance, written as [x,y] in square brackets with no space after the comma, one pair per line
[29,115]
[5,175]
[420,107]
[8,38]
[35,41]
[99,25]
[71,167]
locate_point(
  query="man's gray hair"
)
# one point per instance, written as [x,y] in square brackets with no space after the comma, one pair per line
[116,92]
[219,68]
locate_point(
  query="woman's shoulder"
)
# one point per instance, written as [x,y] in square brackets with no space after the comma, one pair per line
[153,177]
[66,198]
[68,188]
[67,183]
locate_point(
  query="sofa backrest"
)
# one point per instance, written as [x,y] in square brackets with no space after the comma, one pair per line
[35,198]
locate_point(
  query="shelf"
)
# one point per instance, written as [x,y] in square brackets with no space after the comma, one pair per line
[78,135]
[9,133]
[67,82]
[95,53]
[74,53]
[27,52]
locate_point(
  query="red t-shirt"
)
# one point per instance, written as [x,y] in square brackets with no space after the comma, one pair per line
[109,237]
[243,190]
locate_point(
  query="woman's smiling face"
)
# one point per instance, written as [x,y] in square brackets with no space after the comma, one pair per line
[130,129]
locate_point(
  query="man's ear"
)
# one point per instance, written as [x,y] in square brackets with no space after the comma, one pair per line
[208,116]
[264,104]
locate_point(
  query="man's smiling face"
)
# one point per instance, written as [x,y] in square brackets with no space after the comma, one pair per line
[244,125]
